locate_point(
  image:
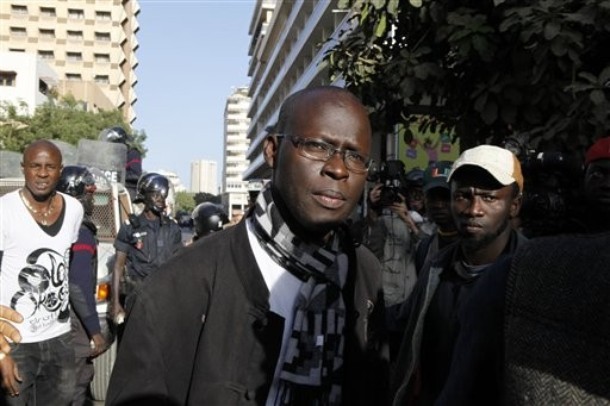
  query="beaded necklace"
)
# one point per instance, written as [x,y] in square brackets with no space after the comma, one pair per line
[43,214]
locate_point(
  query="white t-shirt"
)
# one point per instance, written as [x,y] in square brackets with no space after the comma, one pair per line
[283,290]
[34,267]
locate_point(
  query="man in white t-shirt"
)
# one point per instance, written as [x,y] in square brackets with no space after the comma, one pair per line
[37,228]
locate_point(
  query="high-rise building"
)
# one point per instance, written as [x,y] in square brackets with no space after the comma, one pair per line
[289,40]
[85,42]
[204,177]
[236,142]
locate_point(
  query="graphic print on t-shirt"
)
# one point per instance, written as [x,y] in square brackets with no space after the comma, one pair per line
[42,297]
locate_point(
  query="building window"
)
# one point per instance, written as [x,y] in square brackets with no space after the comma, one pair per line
[75,35]
[18,31]
[76,13]
[47,11]
[102,58]
[74,56]
[73,76]
[102,36]
[102,79]
[45,54]
[46,33]
[7,78]
[18,9]
[103,15]
[43,87]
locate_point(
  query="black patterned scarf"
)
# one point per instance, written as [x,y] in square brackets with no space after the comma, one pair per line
[312,367]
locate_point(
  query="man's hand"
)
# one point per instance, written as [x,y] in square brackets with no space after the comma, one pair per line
[375,194]
[118,313]
[98,344]
[401,210]
[7,329]
[10,376]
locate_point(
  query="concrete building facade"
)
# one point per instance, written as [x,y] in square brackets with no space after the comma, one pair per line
[236,143]
[86,42]
[25,81]
[288,42]
[204,175]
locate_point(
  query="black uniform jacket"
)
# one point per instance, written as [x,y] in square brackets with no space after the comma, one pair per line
[201,333]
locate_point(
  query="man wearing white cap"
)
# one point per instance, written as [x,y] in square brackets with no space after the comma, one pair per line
[486,193]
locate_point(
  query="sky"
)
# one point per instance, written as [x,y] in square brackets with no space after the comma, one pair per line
[191,54]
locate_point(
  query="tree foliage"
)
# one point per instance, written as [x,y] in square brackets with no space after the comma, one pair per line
[59,119]
[488,69]
[207,197]
[185,201]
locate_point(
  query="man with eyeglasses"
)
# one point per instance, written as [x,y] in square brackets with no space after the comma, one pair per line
[283,308]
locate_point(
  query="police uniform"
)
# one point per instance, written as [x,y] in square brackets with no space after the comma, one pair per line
[147,244]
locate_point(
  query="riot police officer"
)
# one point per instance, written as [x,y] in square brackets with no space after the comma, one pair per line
[208,218]
[144,241]
[133,163]
[89,342]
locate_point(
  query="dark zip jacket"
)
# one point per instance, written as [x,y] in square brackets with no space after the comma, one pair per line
[201,332]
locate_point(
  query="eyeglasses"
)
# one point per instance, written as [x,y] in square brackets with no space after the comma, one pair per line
[322,151]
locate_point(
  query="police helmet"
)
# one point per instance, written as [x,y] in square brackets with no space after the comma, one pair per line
[74,179]
[208,218]
[149,185]
[114,134]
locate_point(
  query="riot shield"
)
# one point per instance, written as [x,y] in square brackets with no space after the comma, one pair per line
[109,157]
[68,152]
[10,164]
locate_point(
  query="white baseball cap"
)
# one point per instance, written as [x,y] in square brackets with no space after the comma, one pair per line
[502,164]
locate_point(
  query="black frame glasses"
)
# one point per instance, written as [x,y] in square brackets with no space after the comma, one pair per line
[318,150]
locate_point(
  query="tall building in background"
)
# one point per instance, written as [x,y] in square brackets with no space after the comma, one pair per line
[236,142]
[288,41]
[204,176]
[89,44]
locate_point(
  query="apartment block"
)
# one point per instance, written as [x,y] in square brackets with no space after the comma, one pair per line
[25,81]
[204,175]
[288,42]
[236,143]
[86,42]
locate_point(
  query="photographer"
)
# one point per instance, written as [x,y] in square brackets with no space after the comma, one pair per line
[392,231]
[552,199]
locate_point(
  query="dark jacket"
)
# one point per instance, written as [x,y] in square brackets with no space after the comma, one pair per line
[201,332]
[83,277]
[147,246]
[410,317]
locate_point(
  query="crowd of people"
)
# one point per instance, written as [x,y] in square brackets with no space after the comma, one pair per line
[434,296]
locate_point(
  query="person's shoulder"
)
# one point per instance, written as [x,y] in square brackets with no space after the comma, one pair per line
[572,245]
[10,196]
[366,257]
[72,204]
[70,200]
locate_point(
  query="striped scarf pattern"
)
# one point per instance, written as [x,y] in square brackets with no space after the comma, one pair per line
[312,367]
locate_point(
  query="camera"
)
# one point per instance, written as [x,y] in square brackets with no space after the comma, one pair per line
[550,198]
[392,175]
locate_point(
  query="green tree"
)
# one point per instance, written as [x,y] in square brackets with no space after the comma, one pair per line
[185,201]
[487,69]
[60,119]
[207,197]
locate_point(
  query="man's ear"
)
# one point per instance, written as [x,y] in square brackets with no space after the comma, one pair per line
[515,206]
[271,148]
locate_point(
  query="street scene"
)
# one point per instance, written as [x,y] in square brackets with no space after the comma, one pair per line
[337,202]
